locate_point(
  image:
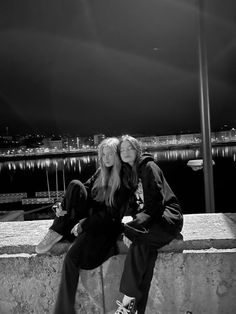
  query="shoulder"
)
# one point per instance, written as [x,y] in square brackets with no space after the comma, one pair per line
[93,177]
[150,172]
[96,173]
[150,166]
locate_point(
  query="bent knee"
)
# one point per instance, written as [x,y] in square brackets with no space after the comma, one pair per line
[75,182]
[77,186]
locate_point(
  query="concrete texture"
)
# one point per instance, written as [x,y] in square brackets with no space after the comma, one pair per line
[193,275]
[29,284]
[202,282]
[200,231]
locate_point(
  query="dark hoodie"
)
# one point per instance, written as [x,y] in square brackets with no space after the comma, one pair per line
[103,218]
[160,203]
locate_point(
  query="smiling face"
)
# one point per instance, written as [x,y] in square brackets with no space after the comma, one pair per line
[127,153]
[108,157]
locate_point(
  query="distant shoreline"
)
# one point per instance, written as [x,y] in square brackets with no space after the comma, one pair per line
[94,152]
[47,155]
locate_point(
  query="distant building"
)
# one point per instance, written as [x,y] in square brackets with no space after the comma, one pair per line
[71,143]
[98,138]
[190,138]
[86,142]
[147,139]
[55,144]
[224,136]
[52,143]
[170,139]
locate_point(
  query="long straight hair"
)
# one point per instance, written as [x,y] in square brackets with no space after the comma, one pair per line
[108,181]
[130,175]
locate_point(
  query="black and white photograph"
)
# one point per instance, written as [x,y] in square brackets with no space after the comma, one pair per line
[117,156]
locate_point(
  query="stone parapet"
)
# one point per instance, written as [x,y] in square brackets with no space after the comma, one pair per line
[193,275]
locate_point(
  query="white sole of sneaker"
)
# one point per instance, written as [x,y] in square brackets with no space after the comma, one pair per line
[46,249]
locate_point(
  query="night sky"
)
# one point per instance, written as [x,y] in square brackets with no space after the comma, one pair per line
[113,66]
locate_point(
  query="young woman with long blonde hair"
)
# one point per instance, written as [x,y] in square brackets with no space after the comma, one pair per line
[94,211]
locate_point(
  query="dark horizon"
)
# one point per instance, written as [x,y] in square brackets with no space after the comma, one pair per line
[53,133]
[128,67]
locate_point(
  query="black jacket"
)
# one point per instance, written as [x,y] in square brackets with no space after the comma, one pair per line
[160,203]
[103,218]
[102,228]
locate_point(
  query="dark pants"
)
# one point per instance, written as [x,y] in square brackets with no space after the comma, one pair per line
[140,262]
[68,286]
[65,302]
[74,202]
[88,250]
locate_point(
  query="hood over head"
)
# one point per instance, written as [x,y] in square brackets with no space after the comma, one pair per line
[145,158]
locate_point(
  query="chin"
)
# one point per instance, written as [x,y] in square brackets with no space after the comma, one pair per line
[127,161]
[109,166]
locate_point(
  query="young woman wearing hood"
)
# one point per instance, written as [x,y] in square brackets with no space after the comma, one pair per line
[157,221]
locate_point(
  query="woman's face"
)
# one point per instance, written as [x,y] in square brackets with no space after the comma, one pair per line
[108,157]
[127,153]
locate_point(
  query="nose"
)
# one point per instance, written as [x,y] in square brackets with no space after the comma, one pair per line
[107,158]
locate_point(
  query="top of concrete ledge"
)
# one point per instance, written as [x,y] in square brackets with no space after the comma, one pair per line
[201,231]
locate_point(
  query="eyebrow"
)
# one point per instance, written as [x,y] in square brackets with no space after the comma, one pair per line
[128,146]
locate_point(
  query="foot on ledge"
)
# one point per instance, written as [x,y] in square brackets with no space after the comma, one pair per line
[48,242]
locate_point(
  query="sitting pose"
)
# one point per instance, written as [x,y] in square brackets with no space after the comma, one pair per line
[158,221]
[97,209]
[74,208]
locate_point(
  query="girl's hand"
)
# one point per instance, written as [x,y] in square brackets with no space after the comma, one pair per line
[58,210]
[77,229]
[126,241]
[126,219]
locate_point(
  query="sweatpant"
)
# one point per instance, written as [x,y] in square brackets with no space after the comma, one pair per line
[140,262]
[65,302]
[68,286]
[74,202]
[88,251]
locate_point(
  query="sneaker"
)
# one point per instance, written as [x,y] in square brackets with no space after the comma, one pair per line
[48,241]
[130,308]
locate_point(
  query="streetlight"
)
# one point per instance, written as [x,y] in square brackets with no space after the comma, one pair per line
[205,113]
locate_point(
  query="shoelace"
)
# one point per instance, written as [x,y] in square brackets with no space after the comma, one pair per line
[121,309]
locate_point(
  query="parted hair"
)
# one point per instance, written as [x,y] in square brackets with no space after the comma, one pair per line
[130,175]
[108,181]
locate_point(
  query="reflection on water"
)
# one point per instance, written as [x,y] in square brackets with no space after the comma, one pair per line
[186,154]
[76,163]
[225,152]
[31,176]
[183,154]
[70,163]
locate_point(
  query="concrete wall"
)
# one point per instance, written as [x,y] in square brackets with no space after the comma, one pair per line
[196,275]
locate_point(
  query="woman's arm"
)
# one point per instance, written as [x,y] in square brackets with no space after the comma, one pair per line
[105,217]
[100,222]
[153,191]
